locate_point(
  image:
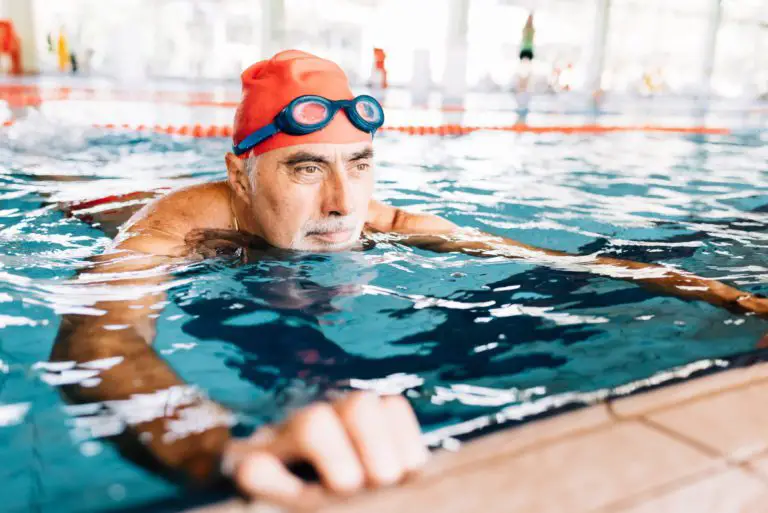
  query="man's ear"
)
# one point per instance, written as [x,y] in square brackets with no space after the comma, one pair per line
[237,176]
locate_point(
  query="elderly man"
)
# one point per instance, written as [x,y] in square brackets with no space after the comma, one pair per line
[300,177]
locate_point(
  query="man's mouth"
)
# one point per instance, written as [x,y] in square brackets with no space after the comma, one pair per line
[335,237]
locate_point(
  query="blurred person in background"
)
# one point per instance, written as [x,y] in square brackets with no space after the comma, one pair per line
[525,70]
[526,43]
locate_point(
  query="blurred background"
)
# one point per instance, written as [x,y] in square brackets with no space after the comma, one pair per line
[582,47]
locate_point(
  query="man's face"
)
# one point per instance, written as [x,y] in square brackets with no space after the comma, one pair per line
[311,197]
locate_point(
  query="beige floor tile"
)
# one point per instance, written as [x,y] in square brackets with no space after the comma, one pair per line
[730,491]
[734,423]
[516,439]
[577,474]
[664,397]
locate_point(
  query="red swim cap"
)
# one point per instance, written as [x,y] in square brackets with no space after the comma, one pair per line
[270,85]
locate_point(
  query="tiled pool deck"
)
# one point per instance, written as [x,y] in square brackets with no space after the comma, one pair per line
[700,446]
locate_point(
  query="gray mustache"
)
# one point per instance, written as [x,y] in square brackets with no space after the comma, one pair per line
[340,224]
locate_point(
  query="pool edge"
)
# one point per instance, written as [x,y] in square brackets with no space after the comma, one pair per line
[701,445]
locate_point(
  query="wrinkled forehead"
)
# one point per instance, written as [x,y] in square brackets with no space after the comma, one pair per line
[321,151]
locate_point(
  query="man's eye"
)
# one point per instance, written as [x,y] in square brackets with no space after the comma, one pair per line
[362,166]
[308,170]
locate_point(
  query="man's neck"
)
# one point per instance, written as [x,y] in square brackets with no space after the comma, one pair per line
[241,220]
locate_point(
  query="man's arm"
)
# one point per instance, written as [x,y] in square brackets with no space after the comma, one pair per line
[358,441]
[126,329]
[436,234]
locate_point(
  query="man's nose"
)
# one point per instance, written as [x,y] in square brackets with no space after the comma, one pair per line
[337,195]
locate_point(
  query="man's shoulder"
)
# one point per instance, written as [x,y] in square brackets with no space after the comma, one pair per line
[196,206]
[195,198]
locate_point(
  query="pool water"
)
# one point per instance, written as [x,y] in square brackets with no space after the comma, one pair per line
[464,336]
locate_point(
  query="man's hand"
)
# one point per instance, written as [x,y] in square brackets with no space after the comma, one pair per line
[360,441]
[755,304]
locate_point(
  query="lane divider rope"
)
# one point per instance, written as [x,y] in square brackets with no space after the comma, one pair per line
[206,131]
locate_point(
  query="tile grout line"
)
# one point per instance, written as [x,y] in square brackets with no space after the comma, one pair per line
[682,438]
[742,464]
[704,395]
[638,498]
[746,467]
[619,505]
[612,413]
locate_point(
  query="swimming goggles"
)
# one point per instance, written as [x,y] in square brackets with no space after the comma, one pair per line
[309,113]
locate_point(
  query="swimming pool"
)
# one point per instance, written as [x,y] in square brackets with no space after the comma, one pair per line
[466,336]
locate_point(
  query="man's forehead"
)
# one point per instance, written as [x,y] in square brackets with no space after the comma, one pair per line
[330,151]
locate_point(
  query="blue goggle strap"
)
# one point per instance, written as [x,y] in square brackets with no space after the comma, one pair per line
[255,138]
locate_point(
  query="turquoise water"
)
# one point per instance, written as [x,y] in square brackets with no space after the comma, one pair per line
[466,336]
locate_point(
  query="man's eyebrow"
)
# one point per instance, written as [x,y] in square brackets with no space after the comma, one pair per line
[304,156]
[367,153]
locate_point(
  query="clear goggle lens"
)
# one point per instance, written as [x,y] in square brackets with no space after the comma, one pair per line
[310,113]
[368,111]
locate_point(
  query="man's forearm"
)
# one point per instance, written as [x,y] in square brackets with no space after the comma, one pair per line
[186,435]
[656,277]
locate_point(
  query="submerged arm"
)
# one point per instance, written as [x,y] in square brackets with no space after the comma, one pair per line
[444,237]
[124,329]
